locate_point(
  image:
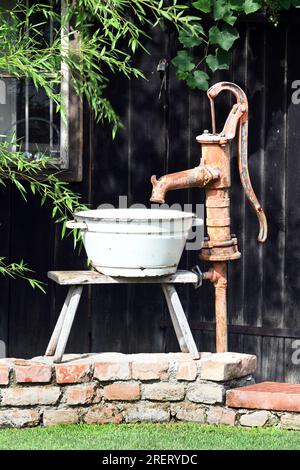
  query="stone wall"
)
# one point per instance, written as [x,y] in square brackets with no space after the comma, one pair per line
[117,388]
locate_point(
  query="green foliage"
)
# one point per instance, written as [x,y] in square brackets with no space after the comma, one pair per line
[219,61]
[19,270]
[215,41]
[203,5]
[198,79]
[224,37]
[26,176]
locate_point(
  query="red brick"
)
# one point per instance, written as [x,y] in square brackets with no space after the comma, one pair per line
[103,414]
[122,391]
[290,421]
[38,373]
[147,412]
[72,373]
[266,396]
[144,369]
[220,415]
[209,393]
[227,366]
[164,392]
[187,370]
[60,416]
[185,411]
[258,418]
[4,374]
[80,394]
[11,418]
[28,396]
[109,371]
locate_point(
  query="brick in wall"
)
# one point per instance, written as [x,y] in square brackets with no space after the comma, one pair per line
[33,373]
[73,373]
[255,419]
[103,414]
[220,415]
[147,412]
[60,416]
[187,370]
[188,412]
[82,394]
[14,418]
[290,421]
[30,396]
[122,391]
[144,368]
[164,391]
[206,393]
[4,372]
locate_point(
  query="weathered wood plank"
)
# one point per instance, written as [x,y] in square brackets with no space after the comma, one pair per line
[181,326]
[92,277]
[5,221]
[253,251]
[31,239]
[292,261]
[275,184]
[59,324]
[245,330]
[67,323]
[272,354]
[292,360]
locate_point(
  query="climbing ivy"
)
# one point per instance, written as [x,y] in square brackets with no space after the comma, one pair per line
[215,34]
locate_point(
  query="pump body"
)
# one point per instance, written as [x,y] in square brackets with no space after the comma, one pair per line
[213,174]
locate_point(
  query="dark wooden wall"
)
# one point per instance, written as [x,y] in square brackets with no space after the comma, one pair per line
[159,136]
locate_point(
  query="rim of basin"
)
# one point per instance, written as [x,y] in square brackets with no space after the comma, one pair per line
[134,214]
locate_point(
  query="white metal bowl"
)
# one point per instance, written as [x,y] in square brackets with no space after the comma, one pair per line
[134,242]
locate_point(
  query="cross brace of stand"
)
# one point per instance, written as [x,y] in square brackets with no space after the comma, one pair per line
[76,280]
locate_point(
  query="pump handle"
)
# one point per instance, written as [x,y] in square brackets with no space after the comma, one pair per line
[238,116]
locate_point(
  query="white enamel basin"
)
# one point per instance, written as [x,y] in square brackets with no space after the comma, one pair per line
[134,242]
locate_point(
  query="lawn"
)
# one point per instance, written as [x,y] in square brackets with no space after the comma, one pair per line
[147,436]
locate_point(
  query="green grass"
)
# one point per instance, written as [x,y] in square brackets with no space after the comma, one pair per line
[147,436]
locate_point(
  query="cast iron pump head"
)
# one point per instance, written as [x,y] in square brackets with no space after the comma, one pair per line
[213,173]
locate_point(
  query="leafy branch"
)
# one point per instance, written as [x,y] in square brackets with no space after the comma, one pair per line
[218,39]
[19,270]
[16,168]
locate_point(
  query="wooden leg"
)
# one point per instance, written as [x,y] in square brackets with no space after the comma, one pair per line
[57,330]
[180,323]
[67,323]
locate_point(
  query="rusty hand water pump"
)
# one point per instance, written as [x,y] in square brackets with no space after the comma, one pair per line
[213,173]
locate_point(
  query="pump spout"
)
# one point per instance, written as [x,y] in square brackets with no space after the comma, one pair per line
[199,176]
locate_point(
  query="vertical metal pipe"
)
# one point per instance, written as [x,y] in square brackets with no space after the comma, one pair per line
[221,306]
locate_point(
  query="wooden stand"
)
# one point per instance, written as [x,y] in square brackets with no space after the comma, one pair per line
[77,279]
